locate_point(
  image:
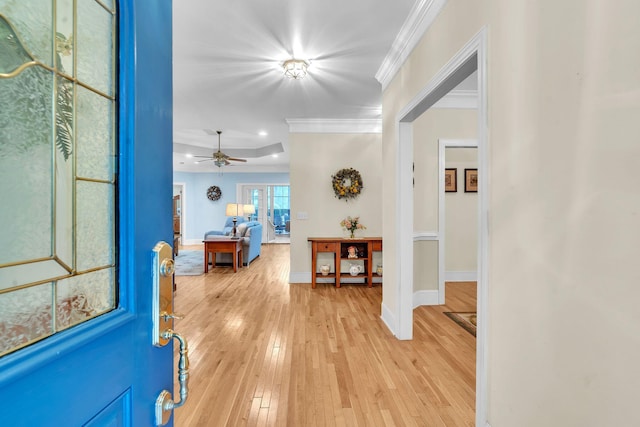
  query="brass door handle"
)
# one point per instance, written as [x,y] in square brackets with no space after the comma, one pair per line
[164,402]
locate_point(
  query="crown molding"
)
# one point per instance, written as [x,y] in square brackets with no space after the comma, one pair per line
[334,125]
[420,18]
[467,99]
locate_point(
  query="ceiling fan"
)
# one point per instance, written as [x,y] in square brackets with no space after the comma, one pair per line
[219,158]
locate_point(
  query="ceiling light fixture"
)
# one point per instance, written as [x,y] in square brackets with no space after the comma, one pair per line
[295,68]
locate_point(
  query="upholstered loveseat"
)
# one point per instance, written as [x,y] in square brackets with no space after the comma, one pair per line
[251,234]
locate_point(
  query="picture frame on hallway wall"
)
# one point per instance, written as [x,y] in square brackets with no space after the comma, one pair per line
[471,180]
[451,180]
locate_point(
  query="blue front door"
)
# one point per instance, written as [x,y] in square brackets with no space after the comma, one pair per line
[85,190]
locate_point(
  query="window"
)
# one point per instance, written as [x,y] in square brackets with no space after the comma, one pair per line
[57,166]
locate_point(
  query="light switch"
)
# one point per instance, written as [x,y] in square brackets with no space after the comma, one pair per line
[302,215]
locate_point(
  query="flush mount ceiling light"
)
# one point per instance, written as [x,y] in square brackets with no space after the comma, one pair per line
[295,68]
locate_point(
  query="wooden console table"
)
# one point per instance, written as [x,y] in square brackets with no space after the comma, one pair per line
[339,246]
[213,245]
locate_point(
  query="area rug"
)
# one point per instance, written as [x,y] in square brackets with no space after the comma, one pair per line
[468,320]
[189,263]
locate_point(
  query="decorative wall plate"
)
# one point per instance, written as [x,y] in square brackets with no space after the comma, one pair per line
[214,193]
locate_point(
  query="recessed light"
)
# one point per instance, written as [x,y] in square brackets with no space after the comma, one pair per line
[274,155]
[188,155]
[263,133]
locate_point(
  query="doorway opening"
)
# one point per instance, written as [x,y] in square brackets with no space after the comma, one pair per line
[472,57]
[457,210]
[179,214]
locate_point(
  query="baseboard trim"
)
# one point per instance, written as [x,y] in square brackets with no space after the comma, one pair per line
[300,277]
[388,318]
[192,242]
[460,276]
[425,298]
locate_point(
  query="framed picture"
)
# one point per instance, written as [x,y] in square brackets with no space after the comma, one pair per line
[471,180]
[451,180]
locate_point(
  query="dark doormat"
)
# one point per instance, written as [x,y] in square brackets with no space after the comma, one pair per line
[468,320]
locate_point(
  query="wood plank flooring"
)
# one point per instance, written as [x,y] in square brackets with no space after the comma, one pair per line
[264,352]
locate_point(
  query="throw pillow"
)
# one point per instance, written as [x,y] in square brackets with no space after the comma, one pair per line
[248,232]
[241,229]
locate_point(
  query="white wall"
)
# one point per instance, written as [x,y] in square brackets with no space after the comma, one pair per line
[314,159]
[564,103]
[565,109]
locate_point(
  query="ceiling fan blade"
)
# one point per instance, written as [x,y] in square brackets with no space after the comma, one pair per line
[219,157]
[206,157]
[203,160]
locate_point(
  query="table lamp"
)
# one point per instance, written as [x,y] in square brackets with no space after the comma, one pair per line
[235,210]
[249,210]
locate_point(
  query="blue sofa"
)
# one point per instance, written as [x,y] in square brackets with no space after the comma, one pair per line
[251,234]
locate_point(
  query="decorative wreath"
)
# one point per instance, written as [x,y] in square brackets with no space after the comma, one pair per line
[347,183]
[214,193]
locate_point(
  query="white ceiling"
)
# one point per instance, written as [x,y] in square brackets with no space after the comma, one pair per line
[228,73]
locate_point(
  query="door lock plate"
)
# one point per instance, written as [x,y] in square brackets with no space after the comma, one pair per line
[163,268]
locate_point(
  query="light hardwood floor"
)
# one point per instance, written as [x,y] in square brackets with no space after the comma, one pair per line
[265,352]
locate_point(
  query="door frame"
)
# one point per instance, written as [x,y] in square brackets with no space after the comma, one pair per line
[472,56]
[443,144]
[240,190]
[241,193]
[183,209]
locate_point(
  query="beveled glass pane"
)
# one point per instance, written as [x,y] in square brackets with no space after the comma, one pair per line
[95,136]
[95,46]
[26,165]
[24,274]
[95,230]
[25,316]
[108,4]
[64,175]
[64,36]
[13,54]
[32,20]
[83,297]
